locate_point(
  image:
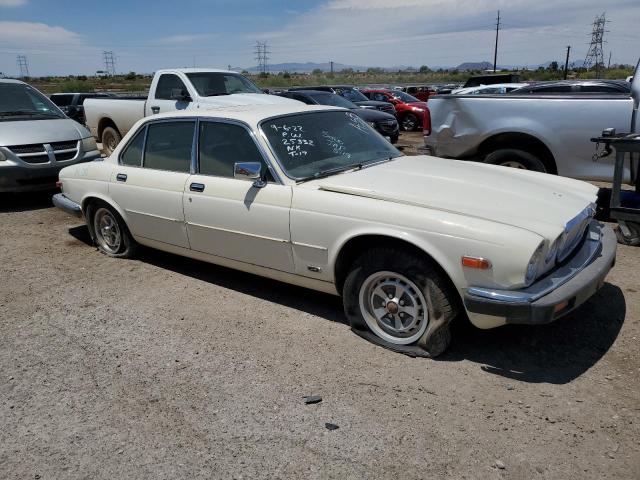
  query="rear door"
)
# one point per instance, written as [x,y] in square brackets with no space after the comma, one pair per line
[229,217]
[162,100]
[148,183]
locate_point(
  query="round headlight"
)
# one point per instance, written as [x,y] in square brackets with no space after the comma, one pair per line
[533,265]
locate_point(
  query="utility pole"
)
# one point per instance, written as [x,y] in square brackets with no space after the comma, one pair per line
[331,63]
[495,51]
[595,55]
[566,62]
[23,66]
[109,63]
[609,63]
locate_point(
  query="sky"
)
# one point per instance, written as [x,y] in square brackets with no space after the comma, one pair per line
[61,37]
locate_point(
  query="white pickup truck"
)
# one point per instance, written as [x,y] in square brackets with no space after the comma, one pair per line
[546,133]
[109,119]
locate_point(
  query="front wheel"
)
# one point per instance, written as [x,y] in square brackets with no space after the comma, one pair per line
[511,157]
[409,122]
[110,233]
[402,299]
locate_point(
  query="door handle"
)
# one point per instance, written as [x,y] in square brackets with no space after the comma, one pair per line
[121,177]
[196,187]
[155,109]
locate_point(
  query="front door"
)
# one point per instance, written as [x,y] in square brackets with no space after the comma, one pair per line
[231,218]
[163,100]
[149,181]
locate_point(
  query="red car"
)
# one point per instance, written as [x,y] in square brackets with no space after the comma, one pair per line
[409,110]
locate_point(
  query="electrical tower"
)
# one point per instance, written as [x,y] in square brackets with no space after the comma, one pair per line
[109,63]
[595,55]
[23,66]
[262,57]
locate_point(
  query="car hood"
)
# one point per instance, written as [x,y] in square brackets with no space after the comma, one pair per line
[369,115]
[248,99]
[40,131]
[372,103]
[533,201]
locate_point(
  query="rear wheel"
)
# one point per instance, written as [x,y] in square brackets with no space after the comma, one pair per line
[510,157]
[110,140]
[402,298]
[110,233]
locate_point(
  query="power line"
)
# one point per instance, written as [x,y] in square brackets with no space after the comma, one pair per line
[23,66]
[109,63]
[595,55]
[495,50]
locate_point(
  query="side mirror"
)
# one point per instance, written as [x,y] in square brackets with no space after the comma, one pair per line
[180,95]
[251,171]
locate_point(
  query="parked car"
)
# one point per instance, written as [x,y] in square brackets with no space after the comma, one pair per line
[496,89]
[409,110]
[421,92]
[109,119]
[572,86]
[311,195]
[383,123]
[37,139]
[72,103]
[354,95]
[545,133]
[492,78]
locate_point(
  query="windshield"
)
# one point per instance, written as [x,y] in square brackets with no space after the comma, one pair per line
[209,84]
[353,95]
[405,97]
[316,144]
[19,101]
[332,100]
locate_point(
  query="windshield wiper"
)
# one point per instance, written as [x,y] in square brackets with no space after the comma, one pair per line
[330,171]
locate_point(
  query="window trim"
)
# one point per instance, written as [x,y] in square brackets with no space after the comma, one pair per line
[155,96]
[144,143]
[265,157]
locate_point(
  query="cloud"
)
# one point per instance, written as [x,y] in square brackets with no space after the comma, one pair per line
[30,34]
[185,38]
[12,3]
[442,32]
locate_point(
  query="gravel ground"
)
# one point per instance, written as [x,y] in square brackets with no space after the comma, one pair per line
[163,367]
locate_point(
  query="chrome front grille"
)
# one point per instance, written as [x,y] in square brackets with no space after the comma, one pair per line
[38,153]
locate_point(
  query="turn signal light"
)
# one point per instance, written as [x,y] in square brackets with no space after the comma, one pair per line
[476,262]
[561,306]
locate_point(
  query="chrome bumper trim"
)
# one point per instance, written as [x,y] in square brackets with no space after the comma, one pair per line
[69,206]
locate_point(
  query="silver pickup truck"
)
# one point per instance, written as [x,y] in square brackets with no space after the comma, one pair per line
[109,119]
[548,133]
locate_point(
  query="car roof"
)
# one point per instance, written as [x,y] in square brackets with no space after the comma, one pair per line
[194,70]
[249,114]
[381,90]
[11,80]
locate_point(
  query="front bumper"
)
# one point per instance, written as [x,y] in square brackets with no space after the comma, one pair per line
[22,177]
[557,294]
[67,205]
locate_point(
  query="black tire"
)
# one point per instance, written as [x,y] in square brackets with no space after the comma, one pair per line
[110,139]
[125,247]
[511,157]
[432,336]
[394,140]
[410,122]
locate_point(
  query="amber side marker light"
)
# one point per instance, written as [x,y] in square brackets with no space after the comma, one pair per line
[476,262]
[561,306]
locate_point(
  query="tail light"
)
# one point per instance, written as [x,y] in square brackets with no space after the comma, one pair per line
[426,122]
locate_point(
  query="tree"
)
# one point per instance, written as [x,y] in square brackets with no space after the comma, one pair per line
[553,66]
[316,71]
[424,69]
[131,76]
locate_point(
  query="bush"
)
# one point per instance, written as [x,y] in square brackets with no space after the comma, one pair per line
[76,86]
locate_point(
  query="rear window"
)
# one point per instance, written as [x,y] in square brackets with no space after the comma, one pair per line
[62,100]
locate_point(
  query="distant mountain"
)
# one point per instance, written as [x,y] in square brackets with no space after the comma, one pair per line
[474,66]
[305,67]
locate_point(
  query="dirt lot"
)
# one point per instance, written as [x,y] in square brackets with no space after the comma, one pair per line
[163,367]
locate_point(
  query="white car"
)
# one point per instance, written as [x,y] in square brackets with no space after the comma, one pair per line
[313,196]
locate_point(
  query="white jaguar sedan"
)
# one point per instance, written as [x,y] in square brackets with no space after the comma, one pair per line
[313,196]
